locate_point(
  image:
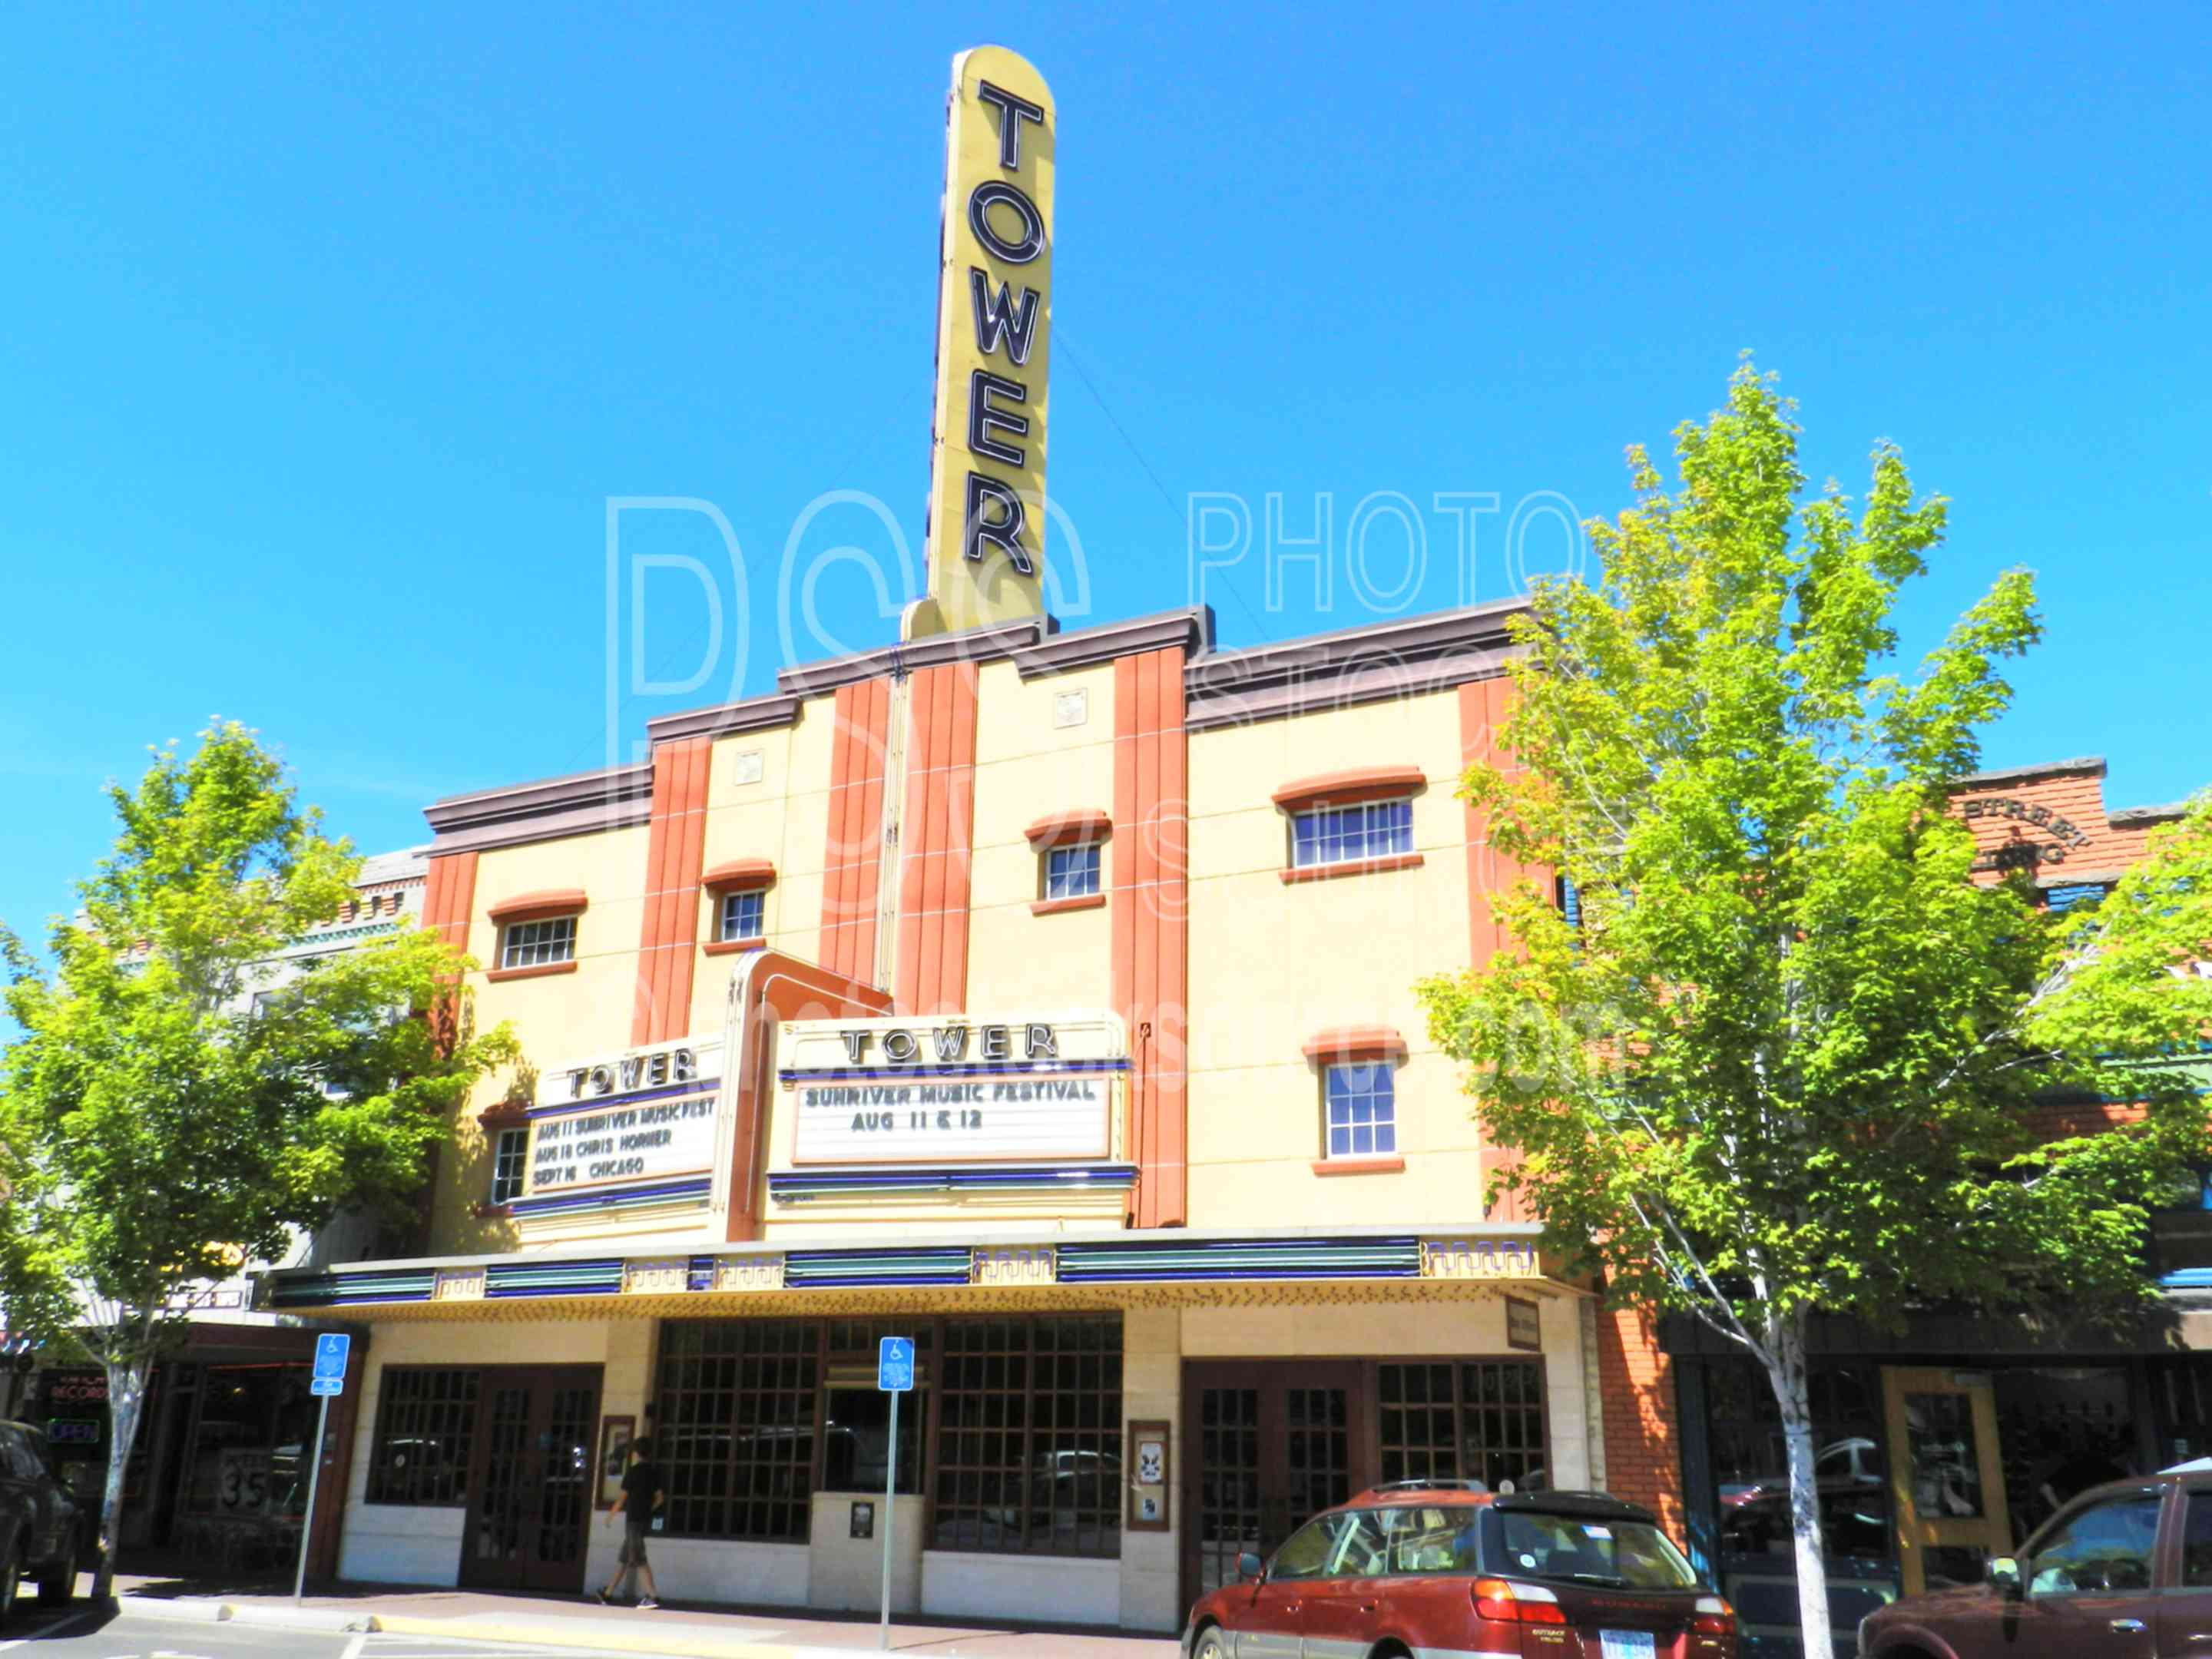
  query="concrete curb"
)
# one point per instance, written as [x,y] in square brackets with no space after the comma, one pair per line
[696,1641]
[330,1620]
[682,1641]
[196,1608]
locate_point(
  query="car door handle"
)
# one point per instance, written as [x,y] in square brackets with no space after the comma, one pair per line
[2127,1626]
[1369,1607]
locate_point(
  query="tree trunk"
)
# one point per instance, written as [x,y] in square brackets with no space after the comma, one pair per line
[1785,1369]
[127,1394]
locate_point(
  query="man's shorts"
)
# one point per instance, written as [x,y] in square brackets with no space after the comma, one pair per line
[633,1546]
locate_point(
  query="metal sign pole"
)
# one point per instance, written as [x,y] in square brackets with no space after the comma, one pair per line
[891,1521]
[315,1479]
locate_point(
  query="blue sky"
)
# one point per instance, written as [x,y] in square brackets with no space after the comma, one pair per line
[331,333]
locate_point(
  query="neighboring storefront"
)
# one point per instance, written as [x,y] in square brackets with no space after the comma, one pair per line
[216,1474]
[1942,1447]
[216,1471]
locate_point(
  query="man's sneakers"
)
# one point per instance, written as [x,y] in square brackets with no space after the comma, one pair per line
[600,1596]
[646,1602]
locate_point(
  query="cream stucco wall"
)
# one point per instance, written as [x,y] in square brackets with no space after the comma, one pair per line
[1272,963]
[1028,769]
[784,818]
[555,1017]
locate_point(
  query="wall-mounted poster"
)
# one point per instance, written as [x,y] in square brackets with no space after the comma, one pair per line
[615,1435]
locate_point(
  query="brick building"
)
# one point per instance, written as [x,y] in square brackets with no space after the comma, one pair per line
[1941,1447]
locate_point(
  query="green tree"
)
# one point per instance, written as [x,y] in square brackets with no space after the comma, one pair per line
[161,1127]
[1780,1066]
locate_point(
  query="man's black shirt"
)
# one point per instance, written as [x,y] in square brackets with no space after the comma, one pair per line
[639,1485]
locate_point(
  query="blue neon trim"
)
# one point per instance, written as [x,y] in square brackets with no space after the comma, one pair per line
[976,1069]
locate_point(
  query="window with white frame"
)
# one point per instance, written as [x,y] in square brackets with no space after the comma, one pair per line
[1071,872]
[1352,835]
[508,1152]
[744,914]
[536,944]
[1362,1108]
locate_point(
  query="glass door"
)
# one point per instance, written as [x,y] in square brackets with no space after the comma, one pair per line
[1947,1475]
[531,1504]
[1265,1447]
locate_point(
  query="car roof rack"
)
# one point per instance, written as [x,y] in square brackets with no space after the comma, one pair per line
[1597,1505]
[1431,1485]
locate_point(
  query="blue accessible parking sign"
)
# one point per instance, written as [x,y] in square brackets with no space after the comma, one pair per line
[895,1364]
[331,1351]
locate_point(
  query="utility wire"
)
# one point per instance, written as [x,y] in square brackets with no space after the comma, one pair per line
[1075,362]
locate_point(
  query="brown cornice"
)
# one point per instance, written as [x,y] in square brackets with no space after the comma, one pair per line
[1375,663]
[2147,818]
[2091,765]
[1193,629]
[582,804]
[727,719]
[990,644]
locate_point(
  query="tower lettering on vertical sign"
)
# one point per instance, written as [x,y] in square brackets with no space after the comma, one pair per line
[987,518]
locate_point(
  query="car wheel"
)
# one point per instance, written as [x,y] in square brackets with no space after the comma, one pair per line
[1211,1645]
[57,1583]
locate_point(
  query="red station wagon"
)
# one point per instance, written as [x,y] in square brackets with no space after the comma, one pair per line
[1427,1567]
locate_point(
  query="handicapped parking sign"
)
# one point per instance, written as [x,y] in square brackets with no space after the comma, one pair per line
[331,1351]
[895,1364]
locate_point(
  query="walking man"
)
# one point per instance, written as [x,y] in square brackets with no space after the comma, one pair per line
[643,1494]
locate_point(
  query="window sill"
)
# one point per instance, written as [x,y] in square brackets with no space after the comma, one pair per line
[730,947]
[498,974]
[1343,1166]
[1054,907]
[1349,867]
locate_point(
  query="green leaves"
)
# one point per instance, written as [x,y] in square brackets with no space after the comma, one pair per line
[152,1112]
[1793,1059]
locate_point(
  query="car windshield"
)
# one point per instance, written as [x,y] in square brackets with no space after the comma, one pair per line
[1618,1554]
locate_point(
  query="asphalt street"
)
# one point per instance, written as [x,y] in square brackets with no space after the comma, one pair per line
[85,1633]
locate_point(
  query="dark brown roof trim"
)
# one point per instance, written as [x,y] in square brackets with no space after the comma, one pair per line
[1375,663]
[727,719]
[990,644]
[1192,629]
[582,804]
[2092,764]
[2145,817]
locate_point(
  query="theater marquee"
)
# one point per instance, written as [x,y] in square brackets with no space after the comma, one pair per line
[643,1119]
[953,1090]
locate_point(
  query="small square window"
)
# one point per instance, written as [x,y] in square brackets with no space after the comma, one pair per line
[1361,1111]
[744,914]
[1071,872]
[535,944]
[508,1152]
[1352,835]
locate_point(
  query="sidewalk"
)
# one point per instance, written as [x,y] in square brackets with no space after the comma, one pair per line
[691,1628]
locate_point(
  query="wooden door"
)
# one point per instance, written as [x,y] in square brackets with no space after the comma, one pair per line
[1265,1446]
[529,1502]
[1946,1474]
